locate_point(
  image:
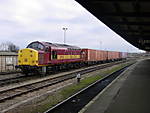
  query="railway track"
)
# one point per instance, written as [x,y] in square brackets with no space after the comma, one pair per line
[77,101]
[14,92]
[18,77]
[24,89]
[12,79]
[11,72]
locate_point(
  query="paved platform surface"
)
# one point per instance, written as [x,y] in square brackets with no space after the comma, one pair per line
[130,93]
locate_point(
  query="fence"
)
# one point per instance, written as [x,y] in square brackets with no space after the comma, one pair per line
[8,61]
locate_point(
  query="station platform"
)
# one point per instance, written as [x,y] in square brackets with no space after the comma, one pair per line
[129,93]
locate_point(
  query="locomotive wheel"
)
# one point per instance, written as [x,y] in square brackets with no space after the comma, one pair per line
[43,70]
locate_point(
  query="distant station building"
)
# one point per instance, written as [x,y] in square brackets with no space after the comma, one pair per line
[8,60]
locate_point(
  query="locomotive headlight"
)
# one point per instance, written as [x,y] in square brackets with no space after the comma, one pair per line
[25,59]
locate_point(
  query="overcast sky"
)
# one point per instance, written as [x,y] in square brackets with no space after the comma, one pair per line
[24,21]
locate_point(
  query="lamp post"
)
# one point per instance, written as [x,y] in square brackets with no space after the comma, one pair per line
[65,29]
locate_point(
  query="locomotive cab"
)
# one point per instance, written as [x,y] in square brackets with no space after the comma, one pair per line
[37,46]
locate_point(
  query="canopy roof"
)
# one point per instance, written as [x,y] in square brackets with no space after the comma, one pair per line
[128,18]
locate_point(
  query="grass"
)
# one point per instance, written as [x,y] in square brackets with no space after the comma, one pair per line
[64,93]
[76,87]
[57,97]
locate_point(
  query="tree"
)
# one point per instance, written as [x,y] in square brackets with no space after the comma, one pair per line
[8,46]
[12,47]
[3,47]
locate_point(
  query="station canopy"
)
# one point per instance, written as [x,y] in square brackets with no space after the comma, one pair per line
[128,18]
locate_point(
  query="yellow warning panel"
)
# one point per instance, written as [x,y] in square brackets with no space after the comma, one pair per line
[28,56]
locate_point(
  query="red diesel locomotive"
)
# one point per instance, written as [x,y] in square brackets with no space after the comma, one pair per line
[42,56]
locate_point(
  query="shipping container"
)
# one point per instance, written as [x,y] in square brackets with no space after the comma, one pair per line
[113,55]
[94,55]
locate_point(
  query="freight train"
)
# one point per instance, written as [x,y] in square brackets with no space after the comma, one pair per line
[42,57]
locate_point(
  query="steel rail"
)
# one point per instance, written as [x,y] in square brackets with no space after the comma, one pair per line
[20,90]
[11,79]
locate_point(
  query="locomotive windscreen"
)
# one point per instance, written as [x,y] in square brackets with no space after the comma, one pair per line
[36,46]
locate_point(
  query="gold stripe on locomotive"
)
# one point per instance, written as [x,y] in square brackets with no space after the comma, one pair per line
[61,57]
